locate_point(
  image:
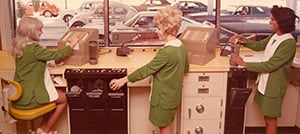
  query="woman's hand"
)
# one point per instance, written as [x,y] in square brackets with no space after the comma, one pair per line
[237,38]
[73,41]
[116,84]
[237,59]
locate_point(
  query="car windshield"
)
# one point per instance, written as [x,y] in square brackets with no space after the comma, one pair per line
[89,5]
[139,18]
[225,34]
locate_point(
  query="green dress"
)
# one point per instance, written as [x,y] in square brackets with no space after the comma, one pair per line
[278,67]
[167,69]
[29,73]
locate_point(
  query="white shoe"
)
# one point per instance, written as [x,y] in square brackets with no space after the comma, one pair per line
[40,131]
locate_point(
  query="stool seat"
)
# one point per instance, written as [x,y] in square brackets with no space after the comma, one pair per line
[21,114]
[30,114]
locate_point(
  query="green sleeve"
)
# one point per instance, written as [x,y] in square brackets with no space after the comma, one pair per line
[258,45]
[284,53]
[47,54]
[150,68]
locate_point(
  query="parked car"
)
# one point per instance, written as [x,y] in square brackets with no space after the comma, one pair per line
[118,12]
[253,12]
[140,24]
[46,9]
[148,4]
[86,7]
[190,6]
[259,28]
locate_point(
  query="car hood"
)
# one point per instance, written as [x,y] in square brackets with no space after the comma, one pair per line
[100,27]
[206,14]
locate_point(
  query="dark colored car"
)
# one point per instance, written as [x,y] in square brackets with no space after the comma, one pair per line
[190,6]
[259,29]
[140,24]
[241,14]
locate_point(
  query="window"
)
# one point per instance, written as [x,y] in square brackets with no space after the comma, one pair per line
[125,18]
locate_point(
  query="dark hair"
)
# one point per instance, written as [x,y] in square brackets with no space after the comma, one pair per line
[285,18]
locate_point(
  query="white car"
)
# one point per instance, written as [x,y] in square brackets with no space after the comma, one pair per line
[86,7]
[118,12]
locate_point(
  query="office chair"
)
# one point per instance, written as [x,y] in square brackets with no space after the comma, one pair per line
[21,114]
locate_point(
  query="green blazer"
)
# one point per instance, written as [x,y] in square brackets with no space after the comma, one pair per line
[29,73]
[278,66]
[167,68]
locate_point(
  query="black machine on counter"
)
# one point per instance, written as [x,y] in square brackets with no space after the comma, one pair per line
[94,108]
[232,48]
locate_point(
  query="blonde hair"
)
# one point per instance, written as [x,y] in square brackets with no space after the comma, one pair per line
[169,19]
[26,32]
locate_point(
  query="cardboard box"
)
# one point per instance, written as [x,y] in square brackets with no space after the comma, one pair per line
[81,52]
[201,44]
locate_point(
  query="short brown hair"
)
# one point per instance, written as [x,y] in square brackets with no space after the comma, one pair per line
[285,18]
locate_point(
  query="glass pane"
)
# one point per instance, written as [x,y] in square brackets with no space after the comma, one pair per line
[128,18]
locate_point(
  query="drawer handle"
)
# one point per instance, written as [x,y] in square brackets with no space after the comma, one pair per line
[203,78]
[77,109]
[200,108]
[98,110]
[117,109]
[190,113]
[198,130]
[203,90]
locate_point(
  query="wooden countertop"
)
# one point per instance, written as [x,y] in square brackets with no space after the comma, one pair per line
[7,63]
[138,58]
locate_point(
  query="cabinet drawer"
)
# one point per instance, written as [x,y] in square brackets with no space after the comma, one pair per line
[198,84]
[202,107]
[201,127]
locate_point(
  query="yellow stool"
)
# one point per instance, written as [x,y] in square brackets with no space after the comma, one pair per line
[20,114]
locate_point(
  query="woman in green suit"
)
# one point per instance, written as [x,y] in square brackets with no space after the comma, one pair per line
[167,69]
[279,50]
[31,59]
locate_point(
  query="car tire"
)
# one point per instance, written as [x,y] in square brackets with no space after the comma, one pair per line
[47,14]
[78,24]
[67,18]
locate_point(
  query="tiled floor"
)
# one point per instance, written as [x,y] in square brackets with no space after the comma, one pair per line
[281,130]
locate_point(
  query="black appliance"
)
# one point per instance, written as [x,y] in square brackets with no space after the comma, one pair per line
[237,96]
[94,108]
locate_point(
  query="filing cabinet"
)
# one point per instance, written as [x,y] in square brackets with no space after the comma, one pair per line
[203,103]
